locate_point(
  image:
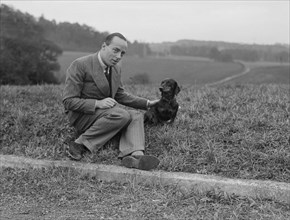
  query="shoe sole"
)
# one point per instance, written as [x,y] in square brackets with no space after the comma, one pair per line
[145,162]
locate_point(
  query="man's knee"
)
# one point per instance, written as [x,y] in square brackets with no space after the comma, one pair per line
[121,115]
[135,115]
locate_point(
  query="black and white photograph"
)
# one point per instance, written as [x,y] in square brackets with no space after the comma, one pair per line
[145,109]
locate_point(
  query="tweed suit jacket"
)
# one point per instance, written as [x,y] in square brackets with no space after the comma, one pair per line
[85,83]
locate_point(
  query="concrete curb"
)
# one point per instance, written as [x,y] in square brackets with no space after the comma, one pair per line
[185,181]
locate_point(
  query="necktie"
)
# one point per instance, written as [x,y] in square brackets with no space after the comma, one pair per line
[108,76]
[107,73]
[107,70]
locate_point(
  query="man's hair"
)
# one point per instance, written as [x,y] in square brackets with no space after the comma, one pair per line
[109,38]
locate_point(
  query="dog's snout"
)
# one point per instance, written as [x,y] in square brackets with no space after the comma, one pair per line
[166,88]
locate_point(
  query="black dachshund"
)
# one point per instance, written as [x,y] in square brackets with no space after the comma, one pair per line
[166,109]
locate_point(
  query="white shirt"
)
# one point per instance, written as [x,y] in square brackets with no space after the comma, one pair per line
[101,62]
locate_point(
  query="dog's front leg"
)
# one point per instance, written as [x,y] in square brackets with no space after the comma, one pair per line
[150,117]
[174,114]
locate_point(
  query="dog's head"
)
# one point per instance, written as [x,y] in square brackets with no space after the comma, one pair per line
[169,88]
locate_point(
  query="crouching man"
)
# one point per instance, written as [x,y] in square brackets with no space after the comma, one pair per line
[92,89]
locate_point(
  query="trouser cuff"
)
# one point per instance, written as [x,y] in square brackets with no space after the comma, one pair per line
[85,142]
[129,152]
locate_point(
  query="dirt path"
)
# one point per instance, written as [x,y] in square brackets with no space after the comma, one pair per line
[246,71]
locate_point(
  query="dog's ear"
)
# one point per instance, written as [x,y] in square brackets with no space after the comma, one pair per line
[176,89]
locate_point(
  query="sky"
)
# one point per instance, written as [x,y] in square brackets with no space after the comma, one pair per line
[244,21]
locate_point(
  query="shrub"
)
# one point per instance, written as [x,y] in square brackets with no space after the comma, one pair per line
[26,56]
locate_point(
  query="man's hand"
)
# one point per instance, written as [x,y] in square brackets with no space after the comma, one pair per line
[105,103]
[152,103]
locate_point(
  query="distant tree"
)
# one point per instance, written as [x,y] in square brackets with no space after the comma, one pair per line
[214,53]
[196,51]
[26,56]
[225,57]
[243,54]
[282,57]
[139,49]
[221,56]
[177,50]
[76,37]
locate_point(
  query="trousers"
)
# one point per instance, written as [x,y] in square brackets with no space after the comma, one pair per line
[98,128]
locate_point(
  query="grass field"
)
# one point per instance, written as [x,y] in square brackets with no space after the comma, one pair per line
[59,194]
[190,70]
[65,60]
[266,74]
[184,70]
[237,131]
[193,72]
[233,130]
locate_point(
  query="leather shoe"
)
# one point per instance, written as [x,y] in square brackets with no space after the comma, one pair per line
[142,162]
[75,151]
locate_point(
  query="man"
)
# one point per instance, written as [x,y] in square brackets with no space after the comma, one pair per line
[92,89]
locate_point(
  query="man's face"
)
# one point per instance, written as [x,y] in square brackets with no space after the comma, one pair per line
[113,53]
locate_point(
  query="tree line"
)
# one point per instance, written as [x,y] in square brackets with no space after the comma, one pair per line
[27,57]
[83,38]
[224,51]
[30,47]
[228,55]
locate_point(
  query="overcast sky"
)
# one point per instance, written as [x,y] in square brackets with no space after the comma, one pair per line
[245,21]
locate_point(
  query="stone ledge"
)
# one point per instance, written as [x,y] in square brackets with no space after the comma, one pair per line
[185,181]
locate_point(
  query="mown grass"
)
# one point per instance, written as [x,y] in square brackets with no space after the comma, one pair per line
[65,60]
[60,193]
[236,131]
[266,74]
[193,70]
[185,71]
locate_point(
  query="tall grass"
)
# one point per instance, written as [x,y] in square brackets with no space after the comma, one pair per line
[238,131]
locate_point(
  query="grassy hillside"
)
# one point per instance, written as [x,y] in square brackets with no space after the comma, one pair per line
[190,70]
[266,74]
[234,131]
[185,70]
[65,60]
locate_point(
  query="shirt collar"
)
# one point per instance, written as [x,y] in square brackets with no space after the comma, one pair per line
[101,61]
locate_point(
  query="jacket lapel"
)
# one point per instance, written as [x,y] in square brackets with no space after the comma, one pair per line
[99,76]
[115,81]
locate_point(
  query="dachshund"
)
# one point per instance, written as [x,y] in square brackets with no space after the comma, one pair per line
[166,109]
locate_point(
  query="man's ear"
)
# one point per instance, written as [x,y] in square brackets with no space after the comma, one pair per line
[103,45]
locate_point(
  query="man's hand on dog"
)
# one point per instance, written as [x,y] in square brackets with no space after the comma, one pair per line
[105,103]
[152,103]
[164,110]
